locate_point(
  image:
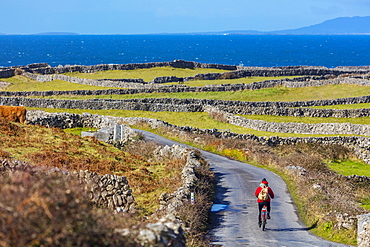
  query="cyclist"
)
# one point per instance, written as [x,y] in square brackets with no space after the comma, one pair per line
[264,185]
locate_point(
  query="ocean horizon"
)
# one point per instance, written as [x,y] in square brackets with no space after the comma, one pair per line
[248,50]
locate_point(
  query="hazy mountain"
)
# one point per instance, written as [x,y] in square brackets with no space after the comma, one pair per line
[341,25]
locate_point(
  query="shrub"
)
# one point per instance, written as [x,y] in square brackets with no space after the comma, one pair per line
[8,128]
[48,210]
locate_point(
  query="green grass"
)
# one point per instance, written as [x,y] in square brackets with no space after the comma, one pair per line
[328,232]
[146,74]
[21,83]
[365,204]
[77,131]
[268,94]
[350,167]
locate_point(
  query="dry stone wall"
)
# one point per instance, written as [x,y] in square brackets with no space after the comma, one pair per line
[295,112]
[43,68]
[6,73]
[109,191]
[296,109]
[169,202]
[143,105]
[166,232]
[298,128]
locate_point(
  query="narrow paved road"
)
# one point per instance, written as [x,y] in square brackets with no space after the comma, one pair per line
[236,223]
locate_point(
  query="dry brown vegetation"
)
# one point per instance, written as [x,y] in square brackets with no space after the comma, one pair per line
[52,147]
[49,210]
[37,210]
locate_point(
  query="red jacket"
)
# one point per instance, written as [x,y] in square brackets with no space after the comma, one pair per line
[271,194]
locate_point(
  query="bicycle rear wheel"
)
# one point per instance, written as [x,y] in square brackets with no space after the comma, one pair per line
[263,225]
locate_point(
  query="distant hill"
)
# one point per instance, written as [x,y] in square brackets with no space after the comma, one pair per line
[341,25]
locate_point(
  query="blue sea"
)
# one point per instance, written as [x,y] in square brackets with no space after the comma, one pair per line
[248,50]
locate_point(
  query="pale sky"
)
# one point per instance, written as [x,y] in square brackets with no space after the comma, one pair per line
[169,16]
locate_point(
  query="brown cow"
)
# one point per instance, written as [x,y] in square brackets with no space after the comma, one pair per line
[13,113]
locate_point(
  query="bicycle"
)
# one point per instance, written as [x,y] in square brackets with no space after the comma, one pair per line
[263,219]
